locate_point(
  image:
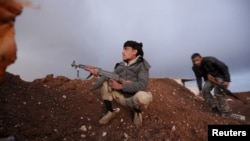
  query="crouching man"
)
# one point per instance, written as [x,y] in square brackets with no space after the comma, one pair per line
[134,70]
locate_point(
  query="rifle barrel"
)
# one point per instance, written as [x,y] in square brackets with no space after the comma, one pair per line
[228,92]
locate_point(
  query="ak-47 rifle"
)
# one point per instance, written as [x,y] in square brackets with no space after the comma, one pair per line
[104,75]
[223,88]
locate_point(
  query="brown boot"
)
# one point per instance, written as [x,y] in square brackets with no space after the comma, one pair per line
[137,119]
[106,118]
[216,110]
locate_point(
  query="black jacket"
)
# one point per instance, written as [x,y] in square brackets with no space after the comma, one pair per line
[213,66]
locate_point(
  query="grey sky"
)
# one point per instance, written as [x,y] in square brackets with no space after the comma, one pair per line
[93,31]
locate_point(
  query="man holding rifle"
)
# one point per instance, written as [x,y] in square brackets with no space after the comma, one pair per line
[215,73]
[130,90]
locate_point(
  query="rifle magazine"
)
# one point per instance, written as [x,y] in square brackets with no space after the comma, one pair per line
[99,82]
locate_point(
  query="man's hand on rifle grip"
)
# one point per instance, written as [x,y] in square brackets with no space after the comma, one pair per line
[115,84]
[226,84]
[211,78]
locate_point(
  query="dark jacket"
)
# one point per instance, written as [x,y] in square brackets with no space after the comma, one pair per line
[137,72]
[213,66]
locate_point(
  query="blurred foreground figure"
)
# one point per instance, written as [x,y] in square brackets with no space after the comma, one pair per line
[9,10]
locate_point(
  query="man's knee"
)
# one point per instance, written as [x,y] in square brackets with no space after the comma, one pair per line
[105,92]
[206,92]
[208,86]
[220,97]
[142,99]
[218,92]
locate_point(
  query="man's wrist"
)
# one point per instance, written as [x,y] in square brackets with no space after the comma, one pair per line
[120,87]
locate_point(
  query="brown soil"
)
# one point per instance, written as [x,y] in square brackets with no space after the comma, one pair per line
[54,109]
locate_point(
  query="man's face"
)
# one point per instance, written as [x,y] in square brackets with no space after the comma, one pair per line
[197,61]
[128,53]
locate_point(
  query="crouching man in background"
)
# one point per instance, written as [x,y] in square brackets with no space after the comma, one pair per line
[205,67]
[134,70]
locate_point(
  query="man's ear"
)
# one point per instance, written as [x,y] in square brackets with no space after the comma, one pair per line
[135,51]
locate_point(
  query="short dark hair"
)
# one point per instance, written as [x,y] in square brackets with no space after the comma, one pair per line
[195,55]
[135,45]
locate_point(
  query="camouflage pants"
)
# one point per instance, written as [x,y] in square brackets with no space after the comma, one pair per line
[220,97]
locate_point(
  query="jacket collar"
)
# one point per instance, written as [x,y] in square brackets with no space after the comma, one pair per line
[132,61]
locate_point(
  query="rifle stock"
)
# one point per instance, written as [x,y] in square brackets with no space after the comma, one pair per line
[223,88]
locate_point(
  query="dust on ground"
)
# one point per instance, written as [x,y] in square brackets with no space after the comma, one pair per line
[55,108]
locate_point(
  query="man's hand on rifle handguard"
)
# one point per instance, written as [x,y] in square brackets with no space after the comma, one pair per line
[226,84]
[212,78]
[92,70]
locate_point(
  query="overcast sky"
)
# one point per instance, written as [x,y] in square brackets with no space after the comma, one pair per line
[92,32]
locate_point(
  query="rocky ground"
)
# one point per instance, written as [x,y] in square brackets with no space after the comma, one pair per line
[61,109]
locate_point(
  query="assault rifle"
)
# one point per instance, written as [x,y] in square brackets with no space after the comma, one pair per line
[104,75]
[223,88]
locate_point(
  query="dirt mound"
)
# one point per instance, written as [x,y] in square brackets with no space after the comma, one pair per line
[55,108]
